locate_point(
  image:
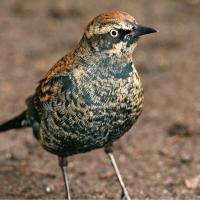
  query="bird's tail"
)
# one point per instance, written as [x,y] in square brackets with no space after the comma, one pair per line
[17,122]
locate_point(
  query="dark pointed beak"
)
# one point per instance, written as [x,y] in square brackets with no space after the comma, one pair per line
[143,30]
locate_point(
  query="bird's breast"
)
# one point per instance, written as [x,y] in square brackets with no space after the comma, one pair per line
[109,98]
[95,110]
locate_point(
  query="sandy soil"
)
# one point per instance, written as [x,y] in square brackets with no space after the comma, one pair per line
[159,157]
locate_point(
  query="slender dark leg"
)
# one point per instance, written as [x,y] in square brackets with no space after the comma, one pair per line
[63,166]
[125,195]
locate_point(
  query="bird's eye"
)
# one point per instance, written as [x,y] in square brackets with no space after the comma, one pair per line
[114,33]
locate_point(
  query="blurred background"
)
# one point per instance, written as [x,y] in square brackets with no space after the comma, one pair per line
[159,157]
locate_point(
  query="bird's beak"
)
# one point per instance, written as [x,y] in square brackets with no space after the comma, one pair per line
[143,30]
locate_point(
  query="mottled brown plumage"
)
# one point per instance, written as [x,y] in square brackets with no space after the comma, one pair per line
[90,97]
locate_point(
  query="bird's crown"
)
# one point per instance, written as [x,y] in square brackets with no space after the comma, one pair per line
[106,21]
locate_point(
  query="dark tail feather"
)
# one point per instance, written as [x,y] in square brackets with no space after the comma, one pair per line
[17,122]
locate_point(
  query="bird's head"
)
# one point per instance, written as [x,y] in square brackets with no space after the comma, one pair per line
[114,32]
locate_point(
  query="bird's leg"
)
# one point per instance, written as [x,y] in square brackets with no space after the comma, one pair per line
[63,166]
[125,195]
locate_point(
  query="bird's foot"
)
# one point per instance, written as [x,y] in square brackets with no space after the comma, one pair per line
[125,196]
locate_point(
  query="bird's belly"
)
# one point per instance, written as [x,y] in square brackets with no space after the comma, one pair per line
[93,119]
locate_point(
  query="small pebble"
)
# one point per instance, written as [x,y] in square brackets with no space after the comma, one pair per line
[178,129]
[10,156]
[193,183]
[185,158]
[50,188]
[163,152]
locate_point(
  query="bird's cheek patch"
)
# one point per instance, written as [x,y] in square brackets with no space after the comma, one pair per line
[116,48]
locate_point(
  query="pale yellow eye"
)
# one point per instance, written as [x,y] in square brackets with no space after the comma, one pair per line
[114,33]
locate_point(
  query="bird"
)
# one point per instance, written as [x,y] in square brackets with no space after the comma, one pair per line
[91,97]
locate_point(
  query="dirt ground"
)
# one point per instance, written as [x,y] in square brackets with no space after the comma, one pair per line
[159,157]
